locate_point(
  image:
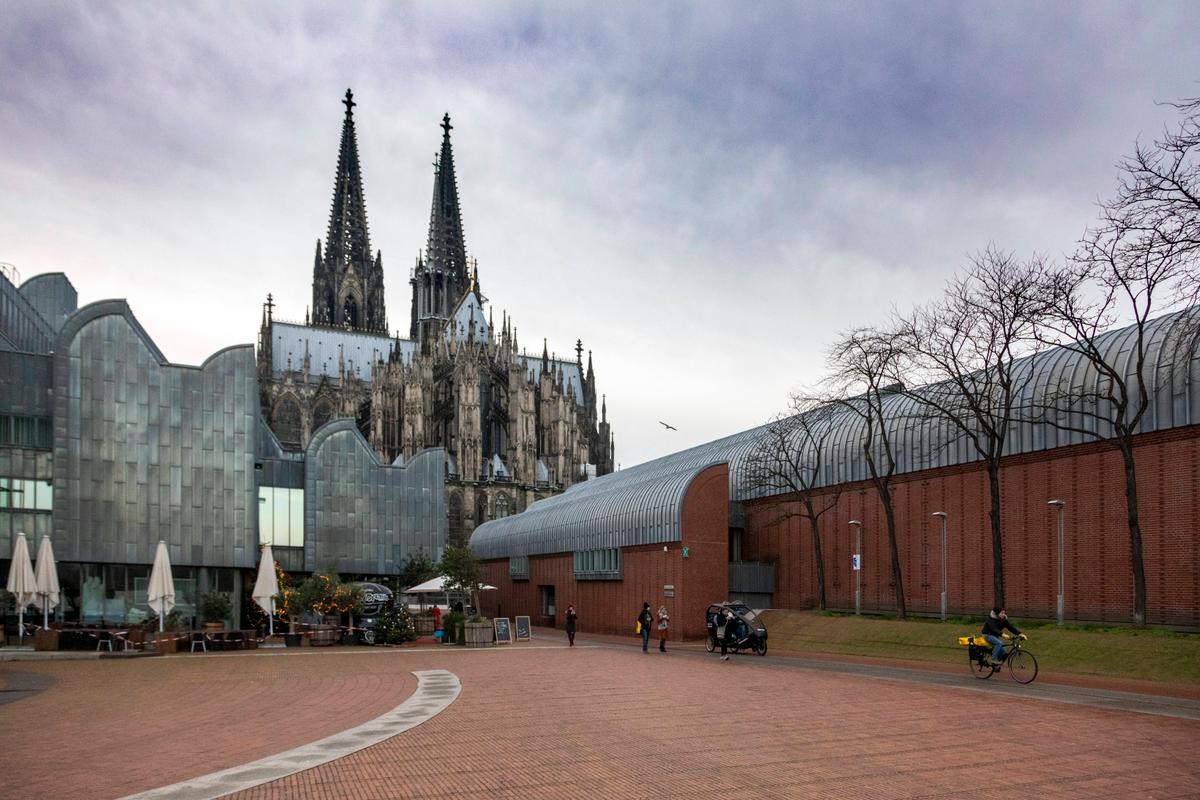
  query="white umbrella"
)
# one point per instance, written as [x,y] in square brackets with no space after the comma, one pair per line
[161,591]
[266,586]
[435,585]
[46,577]
[21,581]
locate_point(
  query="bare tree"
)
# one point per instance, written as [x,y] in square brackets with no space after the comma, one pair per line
[1156,208]
[967,350]
[865,366]
[1136,264]
[789,457]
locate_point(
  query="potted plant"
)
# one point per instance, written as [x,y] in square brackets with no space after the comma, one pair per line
[217,608]
[289,606]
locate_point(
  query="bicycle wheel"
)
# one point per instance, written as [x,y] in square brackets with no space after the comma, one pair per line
[1022,666]
[710,644]
[979,669]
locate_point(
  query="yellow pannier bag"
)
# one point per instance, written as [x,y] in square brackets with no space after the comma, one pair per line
[976,640]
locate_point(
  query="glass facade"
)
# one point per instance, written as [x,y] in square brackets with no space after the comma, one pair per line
[145,450]
[368,518]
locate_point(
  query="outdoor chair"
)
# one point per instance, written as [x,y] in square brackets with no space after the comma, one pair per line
[198,638]
[104,639]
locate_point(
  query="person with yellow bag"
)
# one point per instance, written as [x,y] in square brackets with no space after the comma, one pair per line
[644,621]
[996,623]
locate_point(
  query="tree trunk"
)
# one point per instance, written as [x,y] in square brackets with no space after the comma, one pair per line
[890,515]
[1135,537]
[993,471]
[819,561]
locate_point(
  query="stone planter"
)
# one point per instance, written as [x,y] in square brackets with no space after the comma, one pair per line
[478,634]
[45,639]
[214,627]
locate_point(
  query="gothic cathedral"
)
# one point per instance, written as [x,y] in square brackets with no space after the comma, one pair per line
[515,427]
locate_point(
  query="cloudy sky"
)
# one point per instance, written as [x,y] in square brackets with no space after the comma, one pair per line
[705,194]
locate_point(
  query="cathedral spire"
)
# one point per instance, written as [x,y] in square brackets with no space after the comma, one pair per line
[446,249]
[348,239]
[347,277]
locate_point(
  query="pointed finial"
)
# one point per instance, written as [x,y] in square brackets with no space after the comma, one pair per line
[446,126]
[349,102]
[579,351]
[270,306]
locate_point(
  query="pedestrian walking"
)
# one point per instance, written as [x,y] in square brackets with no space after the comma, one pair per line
[664,621]
[645,620]
[572,618]
[727,633]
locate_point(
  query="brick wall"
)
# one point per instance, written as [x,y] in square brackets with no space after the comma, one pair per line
[612,606]
[1098,580]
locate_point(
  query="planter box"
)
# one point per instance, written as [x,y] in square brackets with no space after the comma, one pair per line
[293,639]
[164,642]
[324,635]
[45,640]
[478,634]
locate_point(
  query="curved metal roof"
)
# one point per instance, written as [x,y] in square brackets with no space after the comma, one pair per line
[626,507]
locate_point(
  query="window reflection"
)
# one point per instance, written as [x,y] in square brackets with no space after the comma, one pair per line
[281,516]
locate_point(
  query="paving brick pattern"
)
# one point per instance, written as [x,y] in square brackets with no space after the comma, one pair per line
[540,720]
[614,722]
[110,728]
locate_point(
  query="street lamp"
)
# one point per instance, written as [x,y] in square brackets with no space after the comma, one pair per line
[857,565]
[942,514]
[1060,505]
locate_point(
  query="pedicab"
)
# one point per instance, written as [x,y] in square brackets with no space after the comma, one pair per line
[749,634]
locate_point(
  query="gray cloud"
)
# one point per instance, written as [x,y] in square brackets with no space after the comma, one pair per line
[704,195]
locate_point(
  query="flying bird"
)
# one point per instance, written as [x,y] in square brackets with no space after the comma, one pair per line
[668,427]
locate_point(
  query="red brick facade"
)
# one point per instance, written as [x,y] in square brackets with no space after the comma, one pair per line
[612,606]
[1090,478]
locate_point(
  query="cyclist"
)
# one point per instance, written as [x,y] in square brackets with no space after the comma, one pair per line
[993,626]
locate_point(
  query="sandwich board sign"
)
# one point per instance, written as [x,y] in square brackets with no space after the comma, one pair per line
[523,634]
[503,631]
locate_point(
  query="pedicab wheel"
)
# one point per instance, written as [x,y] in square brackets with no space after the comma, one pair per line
[981,670]
[710,644]
[760,647]
[1022,666]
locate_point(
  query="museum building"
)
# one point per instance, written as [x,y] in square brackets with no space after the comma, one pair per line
[697,526]
[109,448]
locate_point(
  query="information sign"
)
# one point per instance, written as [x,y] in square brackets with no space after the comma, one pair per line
[523,629]
[503,631]
[856,562]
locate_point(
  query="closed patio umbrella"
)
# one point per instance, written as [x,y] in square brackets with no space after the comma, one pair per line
[266,586]
[46,577]
[161,591]
[21,581]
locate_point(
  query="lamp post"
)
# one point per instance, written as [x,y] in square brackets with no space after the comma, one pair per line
[1060,505]
[857,564]
[942,514]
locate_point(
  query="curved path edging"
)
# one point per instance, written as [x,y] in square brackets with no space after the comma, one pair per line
[436,690]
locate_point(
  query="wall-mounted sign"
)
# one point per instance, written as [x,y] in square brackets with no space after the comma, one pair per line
[685,552]
[503,631]
[523,634]
[669,590]
[856,562]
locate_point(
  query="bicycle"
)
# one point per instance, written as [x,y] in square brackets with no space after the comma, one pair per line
[1022,666]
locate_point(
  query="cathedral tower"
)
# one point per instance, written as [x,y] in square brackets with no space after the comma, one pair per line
[347,281]
[441,278]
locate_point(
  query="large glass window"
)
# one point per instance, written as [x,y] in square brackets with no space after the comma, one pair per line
[26,495]
[602,564]
[518,567]
[281,516]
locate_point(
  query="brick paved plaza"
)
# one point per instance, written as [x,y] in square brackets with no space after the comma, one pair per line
[598,720]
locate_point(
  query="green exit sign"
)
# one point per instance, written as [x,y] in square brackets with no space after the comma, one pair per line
[685,552]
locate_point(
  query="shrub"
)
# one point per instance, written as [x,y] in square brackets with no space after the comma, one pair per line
[216,606]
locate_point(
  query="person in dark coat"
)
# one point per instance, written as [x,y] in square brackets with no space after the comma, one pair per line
[647,619]
[572,618]
[729,634]
[996,623]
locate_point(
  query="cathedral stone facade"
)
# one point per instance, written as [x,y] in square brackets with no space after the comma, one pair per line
[516,427]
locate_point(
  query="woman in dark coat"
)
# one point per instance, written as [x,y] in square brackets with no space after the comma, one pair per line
[572,618]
